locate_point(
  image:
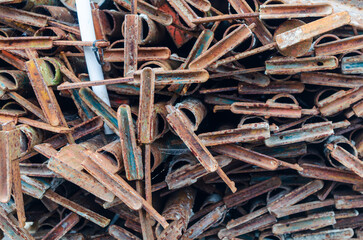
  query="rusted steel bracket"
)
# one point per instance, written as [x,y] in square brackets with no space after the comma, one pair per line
[177,211]
[298,65]
[295,196]
[290,87]
[312,222]
[12,59]
[118,54]
[309,133]
[148,9]
[145,118]
[9,226]
[276,11]
[331,79]
[298,208]
[67,163]
[340,101]
[252,157]
[62,227]
[176,30]
[290,151]
[184,11]
[264,221]
[345,233]
[313,29]
[23,17]
[42,43]
[348,202]
[262,33]
[251,192]
[345,45]
[329,174]
[347,159]
[75,85]
[357,109]
[244,54]
[38,188]
[131,153]
[110,156]
[269,109]
[246,133]
[131,43]
[12,148]
[190,173]
[222,47]
[120,188]
[205,223]
[163,78]
[121,233]
[25,104]
[200,46]
[40,76]
[100,108]
[59,140]
[181,125]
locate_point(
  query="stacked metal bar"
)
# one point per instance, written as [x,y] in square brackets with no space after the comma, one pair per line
[229,119]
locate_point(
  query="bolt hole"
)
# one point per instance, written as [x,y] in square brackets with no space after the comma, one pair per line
[320,63]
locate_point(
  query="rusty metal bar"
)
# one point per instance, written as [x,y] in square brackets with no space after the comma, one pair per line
[264,221]
[269,109]
[228,43]
[179,123]
[246,133]
[190,173]
[290,87]
[252,157]
[146,106]
[131,43]
[303,207]
[340,46]
[205,223]
[346,233]
[331,79]
[309,133]
[262,33]
[163,78]
[312,29]
[121,189]
[329,173]
[131,153]
[298,65]
[121,233]
[68,85]
[347,159]
[295,196]
[251,192]
[148,9]
[62,227]
[312,222]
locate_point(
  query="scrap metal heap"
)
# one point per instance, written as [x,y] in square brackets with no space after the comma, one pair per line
[230,119]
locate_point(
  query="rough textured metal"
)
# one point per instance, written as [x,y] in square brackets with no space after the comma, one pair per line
[222,47]
[312,222]
[312,29]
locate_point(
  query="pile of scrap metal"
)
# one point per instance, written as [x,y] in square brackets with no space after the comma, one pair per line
[181,119]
